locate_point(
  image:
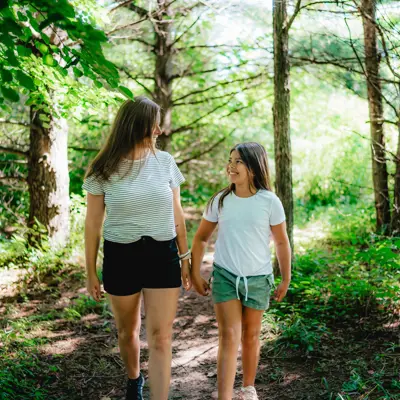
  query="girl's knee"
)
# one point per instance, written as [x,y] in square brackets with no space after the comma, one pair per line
[229,335]
[250,336]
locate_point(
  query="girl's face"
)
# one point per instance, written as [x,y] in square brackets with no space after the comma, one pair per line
[237,170]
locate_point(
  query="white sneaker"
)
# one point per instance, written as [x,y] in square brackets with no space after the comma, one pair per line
[249,393]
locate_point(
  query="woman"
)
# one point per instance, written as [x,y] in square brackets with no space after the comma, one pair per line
[144,227]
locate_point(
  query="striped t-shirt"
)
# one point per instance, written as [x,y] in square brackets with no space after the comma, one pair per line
[139,199]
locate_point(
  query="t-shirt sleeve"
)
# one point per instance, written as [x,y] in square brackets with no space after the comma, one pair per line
[175,177]
[277,215]
[211,212]
[93,185]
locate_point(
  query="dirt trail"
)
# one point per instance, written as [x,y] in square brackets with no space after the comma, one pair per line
[88,366]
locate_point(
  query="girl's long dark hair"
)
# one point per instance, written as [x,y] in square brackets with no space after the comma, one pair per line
[255,159]
[133,126]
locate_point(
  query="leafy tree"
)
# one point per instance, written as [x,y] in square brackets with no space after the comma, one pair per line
[42,43]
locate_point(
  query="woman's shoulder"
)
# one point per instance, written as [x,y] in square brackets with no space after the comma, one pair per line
[163,155]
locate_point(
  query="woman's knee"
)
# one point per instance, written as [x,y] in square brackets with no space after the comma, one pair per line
[161,339]
[128,335]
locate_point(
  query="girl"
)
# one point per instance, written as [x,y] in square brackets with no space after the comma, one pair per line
[138,187]
[247,213]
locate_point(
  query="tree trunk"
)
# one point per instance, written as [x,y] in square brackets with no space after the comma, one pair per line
[281,113]
[379,168]
[48,177]
[163,71]
[395,228]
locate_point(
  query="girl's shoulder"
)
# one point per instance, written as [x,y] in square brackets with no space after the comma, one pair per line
[267,195]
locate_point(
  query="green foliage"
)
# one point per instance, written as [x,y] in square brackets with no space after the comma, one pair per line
[302,333]
[24,374]
[354,274]
[84,305]
[27,32]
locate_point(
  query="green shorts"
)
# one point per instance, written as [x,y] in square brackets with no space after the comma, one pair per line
[227,286]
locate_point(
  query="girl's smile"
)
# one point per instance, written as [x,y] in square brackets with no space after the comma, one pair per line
[236,169]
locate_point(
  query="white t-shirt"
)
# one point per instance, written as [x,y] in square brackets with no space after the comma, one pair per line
[244,232]
[139,198]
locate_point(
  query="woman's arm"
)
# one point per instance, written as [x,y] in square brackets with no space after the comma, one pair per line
[284,255]
[93,225]
[181,237]
[201,238]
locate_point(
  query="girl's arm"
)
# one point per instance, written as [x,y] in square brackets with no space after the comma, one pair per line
[284,255]
[201,238]
[181,237]
[93,225]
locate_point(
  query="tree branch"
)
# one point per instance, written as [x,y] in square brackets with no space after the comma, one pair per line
[188,126]
[12,178]
[184,33]
[136,80]
[118,28]
[207,150]
[366,75]
[138,10]
[296,11]
[383,148]
[215,97]
[13,122]
[186,74]
[335,63]
[135,39]
[218,84]
[17,152]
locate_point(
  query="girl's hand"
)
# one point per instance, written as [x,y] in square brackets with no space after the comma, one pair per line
[93,286]
[201,285]
[185,272]
[281,291]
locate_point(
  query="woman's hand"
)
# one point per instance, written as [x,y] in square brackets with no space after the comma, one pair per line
[185,272]
[201,285]
[93,286]
[281,291]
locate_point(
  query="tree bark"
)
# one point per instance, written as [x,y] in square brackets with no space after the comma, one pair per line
[379,168]
[163,73]
[48,177]
[281,113]
[395,226]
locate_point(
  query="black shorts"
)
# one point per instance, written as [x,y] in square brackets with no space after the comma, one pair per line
[145,264]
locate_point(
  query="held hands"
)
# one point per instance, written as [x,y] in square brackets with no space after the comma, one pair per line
[93,286]
[281,291]
[185,272]
[201,285]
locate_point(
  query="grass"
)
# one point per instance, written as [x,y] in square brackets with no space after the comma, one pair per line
[343,308]
[336,330]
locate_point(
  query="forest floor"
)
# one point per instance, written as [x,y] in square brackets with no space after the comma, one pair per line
[64,346]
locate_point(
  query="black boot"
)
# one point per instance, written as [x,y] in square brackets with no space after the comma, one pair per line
[134,388]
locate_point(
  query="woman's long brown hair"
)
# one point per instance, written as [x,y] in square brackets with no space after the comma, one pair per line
[133,126]
[255,159]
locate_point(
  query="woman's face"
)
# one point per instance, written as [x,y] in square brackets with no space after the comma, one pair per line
[237,170]
[157,130]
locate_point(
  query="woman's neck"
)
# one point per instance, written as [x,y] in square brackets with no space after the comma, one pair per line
[245,190]
[139,152]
